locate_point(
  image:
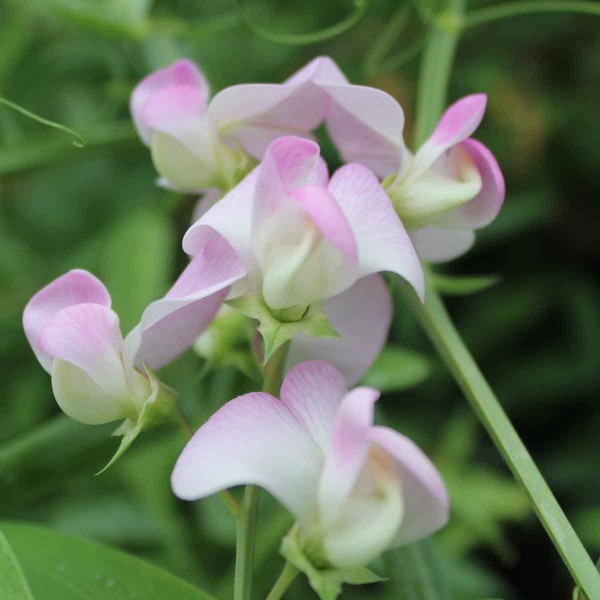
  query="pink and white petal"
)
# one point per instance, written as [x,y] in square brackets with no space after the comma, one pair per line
[383,243]
[230,217]
[253,439]
[312,391]
[435,244]
[320,70]
[366,125]
[458,123]
[182,73]
[170,325]
[484,208]
[426,501]
[361,339]
[348,451]
[289,163]
[325,213]
[75,287]
[254,115]
[88,336]
[205,202]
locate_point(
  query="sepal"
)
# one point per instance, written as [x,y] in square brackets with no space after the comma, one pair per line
[314,322]
[159,408]
[326,582]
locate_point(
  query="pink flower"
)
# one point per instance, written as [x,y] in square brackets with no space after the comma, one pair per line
[306,240]
[98,377]
[449,188]
[355,489]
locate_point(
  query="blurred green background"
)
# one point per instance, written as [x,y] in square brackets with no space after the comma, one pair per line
[536,333]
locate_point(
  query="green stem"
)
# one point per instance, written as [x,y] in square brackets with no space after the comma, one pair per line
[287,575]
[436,65]
[438,325]
[246,530]
[513,9]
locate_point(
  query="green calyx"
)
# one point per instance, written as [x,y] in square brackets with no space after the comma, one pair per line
[159,408]
[307,555]
[277,327]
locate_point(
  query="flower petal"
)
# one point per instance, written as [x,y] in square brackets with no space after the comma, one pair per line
[458,123]
[230,217]
[366,125]
[313,391]
[361,339]
[87,337]
[253,439]
[348,451]
[483,209]
[170,325]
[183,76]
[253,115]
[75,287]
[426,501]
[383,244]
[435,244]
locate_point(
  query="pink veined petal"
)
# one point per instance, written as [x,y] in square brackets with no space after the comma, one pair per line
[230,217]
[253,439]
[324,212]
[256,114]
[88,336]
[169,326]
[383,243]
[366,125]
[312,391]
[435,244]
[289,163]
[458,123]
[75,287]
[348,450]
[361,339]
[484,208]
[182,73]
[426,501]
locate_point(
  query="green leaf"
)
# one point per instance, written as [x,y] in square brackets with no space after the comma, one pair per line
[13,584]
[453,285]
[275,333]
[61,567]
[398,368]
[136,262]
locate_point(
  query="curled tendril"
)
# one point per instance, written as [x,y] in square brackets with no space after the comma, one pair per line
[79,141]
[302,39]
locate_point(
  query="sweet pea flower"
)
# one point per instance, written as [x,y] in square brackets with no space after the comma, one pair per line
[355,489]
[97,377]
[308,241]
[197,145]
[169,110]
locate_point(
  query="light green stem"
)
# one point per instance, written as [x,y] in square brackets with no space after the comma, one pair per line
[432,89]
[438,325]
[246,528]
[287,575]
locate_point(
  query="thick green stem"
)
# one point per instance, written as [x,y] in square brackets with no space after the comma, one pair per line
[432,89]
[246,530]
[438,325]
[287,575]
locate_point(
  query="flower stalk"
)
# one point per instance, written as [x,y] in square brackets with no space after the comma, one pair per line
[286,577]
[246,529]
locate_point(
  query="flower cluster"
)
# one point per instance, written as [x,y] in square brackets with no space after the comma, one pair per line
[284,244]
